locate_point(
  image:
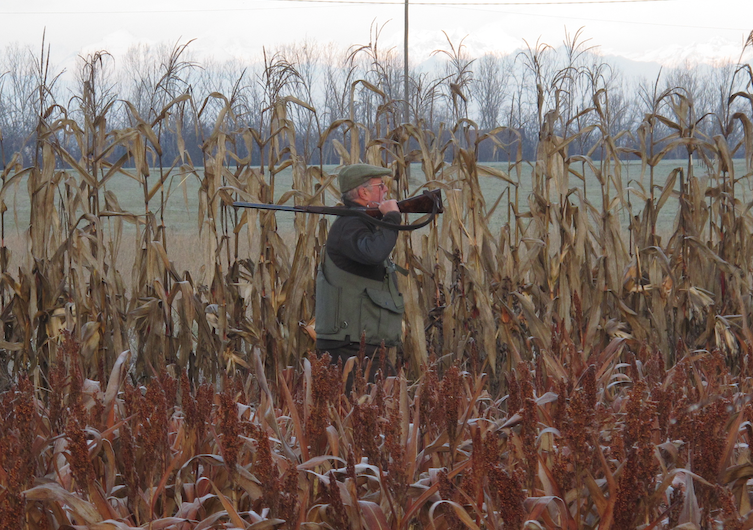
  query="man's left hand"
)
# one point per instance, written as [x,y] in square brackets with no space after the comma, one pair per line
[388,206]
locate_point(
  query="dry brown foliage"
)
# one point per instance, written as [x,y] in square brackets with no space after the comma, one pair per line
[249,461]
[564,371]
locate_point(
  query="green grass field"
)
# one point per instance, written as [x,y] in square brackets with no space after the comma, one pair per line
[182,195]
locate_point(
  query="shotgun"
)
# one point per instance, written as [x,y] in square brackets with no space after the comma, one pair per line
[428,202]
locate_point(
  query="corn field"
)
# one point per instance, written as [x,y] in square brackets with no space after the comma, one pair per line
[579,368]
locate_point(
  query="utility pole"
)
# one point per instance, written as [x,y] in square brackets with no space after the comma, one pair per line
[406,113]
[406,101]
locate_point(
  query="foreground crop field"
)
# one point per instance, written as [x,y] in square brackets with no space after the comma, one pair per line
[569,361]
[573,444]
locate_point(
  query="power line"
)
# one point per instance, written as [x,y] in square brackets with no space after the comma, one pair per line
[348,2]
[460,4]
[641,22]
[144,11]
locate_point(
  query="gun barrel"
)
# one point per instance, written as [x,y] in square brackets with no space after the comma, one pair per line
[427,202]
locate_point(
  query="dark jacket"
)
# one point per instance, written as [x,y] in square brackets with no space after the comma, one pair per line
[362,248]
[358,249]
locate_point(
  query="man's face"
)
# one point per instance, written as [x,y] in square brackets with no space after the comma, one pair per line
[375,191]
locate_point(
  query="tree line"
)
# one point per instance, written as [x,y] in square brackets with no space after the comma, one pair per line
[514,96]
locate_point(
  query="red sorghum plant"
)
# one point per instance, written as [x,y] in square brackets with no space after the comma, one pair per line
[336,509]
[448,491]
[639,470]
[128,467]
[265,470]
[730,515]
[230,430]
[78,452]
[366,430]
[19,418]
[326,389]
[507,492]
[289,503]
[204,401]
[58,389]
[430,409]
[152,437]
[450,397]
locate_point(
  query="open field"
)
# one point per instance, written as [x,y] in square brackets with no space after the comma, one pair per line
[182,205]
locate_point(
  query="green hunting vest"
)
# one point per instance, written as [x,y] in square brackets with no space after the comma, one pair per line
[348,304]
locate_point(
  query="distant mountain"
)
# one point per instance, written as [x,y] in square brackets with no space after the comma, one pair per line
[633,69]
[712,51]
[639,66]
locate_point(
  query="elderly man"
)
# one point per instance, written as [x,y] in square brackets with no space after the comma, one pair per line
[356,286]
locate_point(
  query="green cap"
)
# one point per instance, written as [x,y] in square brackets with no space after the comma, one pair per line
[352,176]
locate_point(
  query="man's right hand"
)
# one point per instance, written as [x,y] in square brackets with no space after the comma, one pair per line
[388,206]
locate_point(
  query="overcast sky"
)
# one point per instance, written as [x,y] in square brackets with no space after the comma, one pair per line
[645,30]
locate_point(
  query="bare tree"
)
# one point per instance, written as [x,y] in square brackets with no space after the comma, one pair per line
[427,93]
[28,86]
[489,88]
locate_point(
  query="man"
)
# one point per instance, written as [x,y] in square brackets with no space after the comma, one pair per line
[356,286]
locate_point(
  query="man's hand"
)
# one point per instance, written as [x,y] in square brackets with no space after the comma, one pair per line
[388,206]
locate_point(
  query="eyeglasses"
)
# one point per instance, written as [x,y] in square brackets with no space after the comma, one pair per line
[381,186]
